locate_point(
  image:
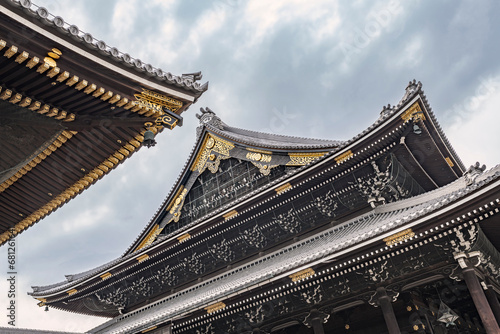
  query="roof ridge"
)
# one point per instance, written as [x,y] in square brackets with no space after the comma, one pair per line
[275,134]
[186,81]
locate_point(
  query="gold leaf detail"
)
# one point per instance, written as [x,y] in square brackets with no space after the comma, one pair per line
[106,276]
[156,101]
[33,61]
[71,292]
[300,275]
[414,112]
[10,51]
[398,237]
[184,237]
[212,144]
[230,214]
[150,238]
[301,159]
[343,157]
[283,188]
[215,307]
[22,57]
[143,257]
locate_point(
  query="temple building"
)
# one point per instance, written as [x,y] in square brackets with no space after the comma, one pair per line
[71,109]
[387,232]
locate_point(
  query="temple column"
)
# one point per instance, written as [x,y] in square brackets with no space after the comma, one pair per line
[492,297]
[390,318]
[316,319]
[476,292]
[317,326]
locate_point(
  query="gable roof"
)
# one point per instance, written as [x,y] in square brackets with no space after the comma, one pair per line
[388,123]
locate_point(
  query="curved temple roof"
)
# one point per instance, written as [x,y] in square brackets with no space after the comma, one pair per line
[210,123]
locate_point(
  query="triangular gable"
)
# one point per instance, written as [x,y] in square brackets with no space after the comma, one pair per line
[214,149]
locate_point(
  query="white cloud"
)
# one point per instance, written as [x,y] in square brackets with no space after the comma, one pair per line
[410,56]
[124,16]
[474,131]
[262,19]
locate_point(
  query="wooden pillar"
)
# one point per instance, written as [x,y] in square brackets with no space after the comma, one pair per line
[390,318]
[317,322]
[483,307]
[493,301]
[317,326]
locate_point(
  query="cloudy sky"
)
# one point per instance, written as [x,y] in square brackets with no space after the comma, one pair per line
[307,68]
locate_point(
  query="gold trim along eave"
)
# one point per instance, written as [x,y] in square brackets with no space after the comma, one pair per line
[155,101]
[301,159]
[398,237]
[52,71]
[150,237]
[414,112]
[215,307]
[58,142]
[300,275]
[344,157]
[87,180]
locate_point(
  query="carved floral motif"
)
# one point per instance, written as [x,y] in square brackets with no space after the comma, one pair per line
[222,251]
[193,264]
[254,237]
[326,204]
[288,221]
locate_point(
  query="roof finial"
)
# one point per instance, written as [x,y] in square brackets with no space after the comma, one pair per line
[473,172]
[385,110]
[193,76]
[208,117]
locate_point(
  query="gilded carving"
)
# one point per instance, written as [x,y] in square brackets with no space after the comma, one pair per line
[300,275]
[143,257]
[177,205]
[148,240]
[230,214]
[398,237]
[301,159]
[283,188]
[215,307]
[212,144]
[106,276]
[259,156]
[259,151]
[184,237]
[414,112]
[344,156]
[156,101]
[265,169]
